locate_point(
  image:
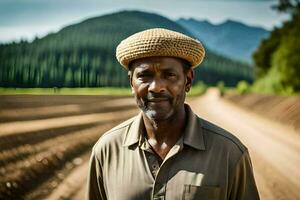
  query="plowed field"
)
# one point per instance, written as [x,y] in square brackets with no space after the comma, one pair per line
[45,142]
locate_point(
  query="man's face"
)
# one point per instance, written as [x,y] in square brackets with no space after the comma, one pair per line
[159,85]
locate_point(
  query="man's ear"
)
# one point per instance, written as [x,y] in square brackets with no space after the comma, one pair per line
[130,74]
[189,79]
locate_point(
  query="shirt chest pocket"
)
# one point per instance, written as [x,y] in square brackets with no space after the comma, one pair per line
[192,192]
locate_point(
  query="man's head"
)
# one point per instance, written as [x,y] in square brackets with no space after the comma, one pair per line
[160,64]
[159,85]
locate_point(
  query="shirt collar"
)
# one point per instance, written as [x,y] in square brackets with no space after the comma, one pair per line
[193,135]
[134,134]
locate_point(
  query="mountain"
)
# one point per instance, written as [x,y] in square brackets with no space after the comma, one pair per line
[231,38]
[83,55]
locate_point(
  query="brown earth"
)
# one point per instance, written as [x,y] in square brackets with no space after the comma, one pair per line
[46,139]
[283,109]
[274,147]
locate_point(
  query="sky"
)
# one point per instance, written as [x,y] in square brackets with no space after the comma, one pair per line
[26,19]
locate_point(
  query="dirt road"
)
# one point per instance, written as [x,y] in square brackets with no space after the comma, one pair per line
[274,148]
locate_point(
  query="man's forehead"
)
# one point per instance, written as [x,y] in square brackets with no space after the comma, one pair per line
[159,61]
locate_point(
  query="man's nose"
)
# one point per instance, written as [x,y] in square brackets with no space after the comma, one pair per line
[157,85]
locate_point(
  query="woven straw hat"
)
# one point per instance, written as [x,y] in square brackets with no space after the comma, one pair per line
[159,42]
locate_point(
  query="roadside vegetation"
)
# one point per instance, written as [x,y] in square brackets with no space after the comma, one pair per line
[277,60]
[197,89]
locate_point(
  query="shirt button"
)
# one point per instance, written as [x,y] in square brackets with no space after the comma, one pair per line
[155,166]
[154,172]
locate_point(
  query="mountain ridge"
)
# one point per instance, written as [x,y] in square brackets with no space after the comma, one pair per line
[234,39]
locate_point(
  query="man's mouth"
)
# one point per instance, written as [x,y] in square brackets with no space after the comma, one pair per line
[158,99]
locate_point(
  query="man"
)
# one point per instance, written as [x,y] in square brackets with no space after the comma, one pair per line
[167,152]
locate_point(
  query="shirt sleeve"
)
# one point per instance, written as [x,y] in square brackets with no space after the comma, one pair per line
[95,188]
[243,185]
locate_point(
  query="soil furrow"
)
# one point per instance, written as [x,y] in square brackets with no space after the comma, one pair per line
[9,115]
[17,179]
[35,125]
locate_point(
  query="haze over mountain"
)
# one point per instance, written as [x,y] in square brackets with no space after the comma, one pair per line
[83,55]
[231,38]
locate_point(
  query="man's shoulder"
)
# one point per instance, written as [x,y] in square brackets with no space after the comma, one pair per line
[115,135]
[223,136]
[120,127]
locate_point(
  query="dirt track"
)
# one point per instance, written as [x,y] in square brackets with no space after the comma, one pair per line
[274,150]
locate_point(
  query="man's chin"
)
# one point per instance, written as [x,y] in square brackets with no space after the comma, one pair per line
[157,115]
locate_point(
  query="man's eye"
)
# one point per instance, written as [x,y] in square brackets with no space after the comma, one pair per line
[171,74]
[143,75]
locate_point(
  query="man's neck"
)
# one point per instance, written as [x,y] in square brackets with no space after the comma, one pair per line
[163,134]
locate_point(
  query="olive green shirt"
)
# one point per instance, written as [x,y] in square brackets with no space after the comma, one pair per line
[206,163]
